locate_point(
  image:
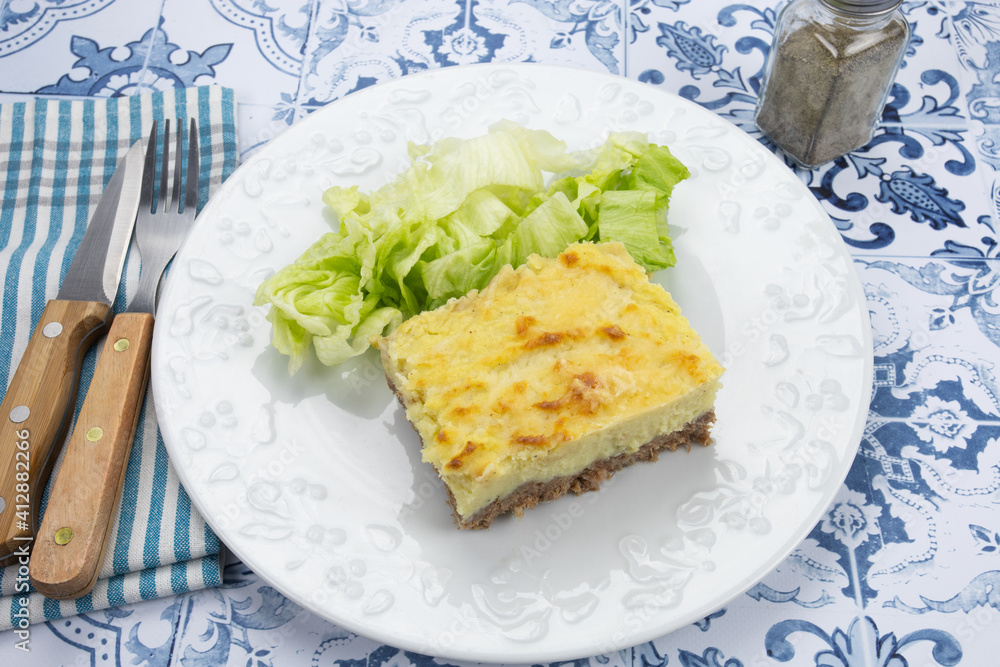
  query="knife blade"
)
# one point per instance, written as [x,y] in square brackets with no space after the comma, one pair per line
[74,533]
[38,406]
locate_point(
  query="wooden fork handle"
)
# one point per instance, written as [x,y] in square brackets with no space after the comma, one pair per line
[74,534]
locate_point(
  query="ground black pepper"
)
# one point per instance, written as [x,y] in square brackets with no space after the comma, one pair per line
[827,78]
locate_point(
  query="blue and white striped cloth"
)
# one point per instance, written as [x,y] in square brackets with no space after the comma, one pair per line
[55,158]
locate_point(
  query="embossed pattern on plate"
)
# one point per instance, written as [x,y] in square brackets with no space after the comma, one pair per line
[315,481]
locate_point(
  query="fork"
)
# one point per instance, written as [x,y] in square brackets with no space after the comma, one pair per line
[73,537]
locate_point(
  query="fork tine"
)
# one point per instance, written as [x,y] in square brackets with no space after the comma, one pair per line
[164,202]
[175,199]
[193,168]
[148,169]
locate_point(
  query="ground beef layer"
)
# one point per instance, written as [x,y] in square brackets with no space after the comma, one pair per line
[528,495]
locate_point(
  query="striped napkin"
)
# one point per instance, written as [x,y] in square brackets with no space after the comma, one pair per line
[55,158]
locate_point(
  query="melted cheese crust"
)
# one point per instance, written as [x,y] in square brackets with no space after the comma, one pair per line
[551,367]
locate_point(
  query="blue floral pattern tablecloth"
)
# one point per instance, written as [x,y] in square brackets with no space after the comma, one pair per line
[905,566]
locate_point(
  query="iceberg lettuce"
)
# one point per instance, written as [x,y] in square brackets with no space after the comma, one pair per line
[446,225]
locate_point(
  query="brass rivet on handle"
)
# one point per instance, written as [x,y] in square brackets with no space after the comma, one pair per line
[121,345]
[64,535]
[95,433]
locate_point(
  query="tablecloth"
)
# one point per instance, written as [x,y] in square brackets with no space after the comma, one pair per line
[903,568]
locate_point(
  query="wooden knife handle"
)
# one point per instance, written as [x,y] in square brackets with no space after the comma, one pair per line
[36,412]
[74,534]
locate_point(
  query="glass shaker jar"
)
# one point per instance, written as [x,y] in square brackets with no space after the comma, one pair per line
[828,74]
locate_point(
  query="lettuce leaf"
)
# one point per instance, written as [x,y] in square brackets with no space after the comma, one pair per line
[446,225]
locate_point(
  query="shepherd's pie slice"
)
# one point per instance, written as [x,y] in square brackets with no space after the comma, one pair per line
[550,379]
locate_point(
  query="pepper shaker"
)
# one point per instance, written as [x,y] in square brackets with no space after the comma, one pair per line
[827,76]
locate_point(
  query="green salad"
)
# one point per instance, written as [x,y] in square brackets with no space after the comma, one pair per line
[446,225]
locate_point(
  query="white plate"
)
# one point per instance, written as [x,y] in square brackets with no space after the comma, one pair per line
[315,481]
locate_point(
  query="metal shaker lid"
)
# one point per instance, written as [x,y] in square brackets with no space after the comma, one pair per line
[864,7]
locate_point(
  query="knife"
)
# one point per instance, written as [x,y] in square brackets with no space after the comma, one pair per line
[38,407]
